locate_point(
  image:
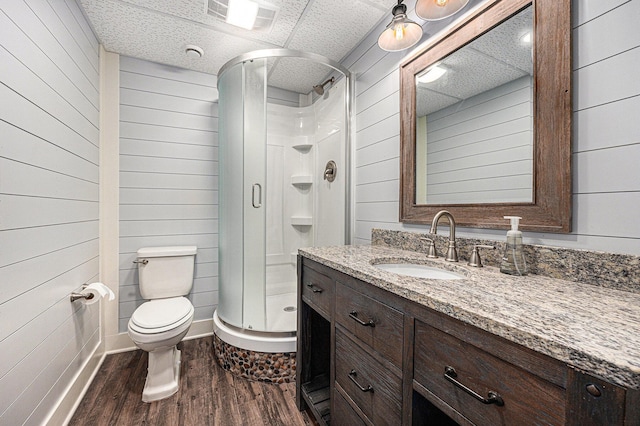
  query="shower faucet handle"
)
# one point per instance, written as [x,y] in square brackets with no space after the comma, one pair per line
[330,171]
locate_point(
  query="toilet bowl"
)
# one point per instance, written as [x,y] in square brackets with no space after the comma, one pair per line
[158,325]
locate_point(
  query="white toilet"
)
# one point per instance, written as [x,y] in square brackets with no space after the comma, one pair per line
[157,326]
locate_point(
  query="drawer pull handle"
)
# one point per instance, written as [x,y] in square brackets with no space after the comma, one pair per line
[450,374]
[313,289]
[352,376]
[354,315]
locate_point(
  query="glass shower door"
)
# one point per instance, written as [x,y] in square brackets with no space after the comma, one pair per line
[255,151]
[242,154]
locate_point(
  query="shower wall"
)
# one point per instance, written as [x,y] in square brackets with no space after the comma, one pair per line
[303,209]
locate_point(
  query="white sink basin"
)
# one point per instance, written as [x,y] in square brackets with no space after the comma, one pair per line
[419,271]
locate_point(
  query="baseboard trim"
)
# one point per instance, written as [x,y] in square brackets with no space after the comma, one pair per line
[68,404]
[200,329]
[123,343]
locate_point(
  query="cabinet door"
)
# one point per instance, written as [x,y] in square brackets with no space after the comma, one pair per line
[593,401]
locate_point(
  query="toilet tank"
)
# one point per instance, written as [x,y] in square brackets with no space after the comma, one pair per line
[166,271]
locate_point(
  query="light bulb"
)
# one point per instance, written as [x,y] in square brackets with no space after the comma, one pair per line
[398,31]
[441,3]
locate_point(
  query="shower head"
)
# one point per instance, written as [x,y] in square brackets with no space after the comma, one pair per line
[319,88]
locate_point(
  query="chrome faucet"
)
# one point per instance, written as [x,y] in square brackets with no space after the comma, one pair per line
[452,252]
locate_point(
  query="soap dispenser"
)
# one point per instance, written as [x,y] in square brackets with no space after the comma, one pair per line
[513,262]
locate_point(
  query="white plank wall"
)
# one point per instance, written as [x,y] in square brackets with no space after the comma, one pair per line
[481,149]
[168,174]
[49,118]
[606,141]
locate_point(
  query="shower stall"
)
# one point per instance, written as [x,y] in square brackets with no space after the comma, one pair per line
[284,184]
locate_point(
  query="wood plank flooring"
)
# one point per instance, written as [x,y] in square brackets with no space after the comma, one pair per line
[208,395]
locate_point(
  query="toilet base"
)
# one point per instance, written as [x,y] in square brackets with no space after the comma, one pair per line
[163,374]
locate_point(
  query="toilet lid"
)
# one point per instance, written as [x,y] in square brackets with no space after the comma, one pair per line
[160,315]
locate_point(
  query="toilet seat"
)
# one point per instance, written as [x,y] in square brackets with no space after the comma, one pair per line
[161,315]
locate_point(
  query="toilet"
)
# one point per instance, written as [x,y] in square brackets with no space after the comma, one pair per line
[157,326]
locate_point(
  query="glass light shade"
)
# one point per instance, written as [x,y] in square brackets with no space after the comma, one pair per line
[434,10]
[400,34]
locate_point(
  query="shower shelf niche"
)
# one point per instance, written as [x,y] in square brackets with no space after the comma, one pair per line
[301,180]
[302,146]
[301,220]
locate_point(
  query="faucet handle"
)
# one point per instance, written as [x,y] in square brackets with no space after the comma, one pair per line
[431,251]
[475,260]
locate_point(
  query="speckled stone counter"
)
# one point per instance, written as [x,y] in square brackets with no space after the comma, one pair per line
[592,328]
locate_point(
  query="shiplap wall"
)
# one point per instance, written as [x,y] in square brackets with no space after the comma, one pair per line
[480,150]
[168,174]
[606,131]
[49,138]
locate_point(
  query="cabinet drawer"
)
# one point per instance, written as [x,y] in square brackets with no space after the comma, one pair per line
[528,399]
[373,322]
[376,389]
[317,289]
[343,414]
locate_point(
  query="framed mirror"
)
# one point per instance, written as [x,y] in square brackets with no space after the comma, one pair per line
[486,119]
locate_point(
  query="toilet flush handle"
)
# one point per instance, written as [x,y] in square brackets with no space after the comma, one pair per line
[143,261]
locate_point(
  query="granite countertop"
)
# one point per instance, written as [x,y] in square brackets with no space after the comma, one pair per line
[593,328]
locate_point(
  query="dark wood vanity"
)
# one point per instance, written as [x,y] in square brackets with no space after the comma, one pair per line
[367,356]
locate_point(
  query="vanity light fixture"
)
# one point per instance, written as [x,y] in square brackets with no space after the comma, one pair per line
[433,73]
[434,10]
[242,13]
[401,33]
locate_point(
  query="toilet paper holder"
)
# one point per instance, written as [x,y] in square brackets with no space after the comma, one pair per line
[78,296]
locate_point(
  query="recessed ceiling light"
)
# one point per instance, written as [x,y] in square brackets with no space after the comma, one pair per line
[242,13]
[432,74]
[193,51]
[526,37]
[263,22]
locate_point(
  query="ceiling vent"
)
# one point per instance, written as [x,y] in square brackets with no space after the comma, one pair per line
[264,21]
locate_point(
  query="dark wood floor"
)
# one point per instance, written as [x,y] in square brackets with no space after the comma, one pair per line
[208,395]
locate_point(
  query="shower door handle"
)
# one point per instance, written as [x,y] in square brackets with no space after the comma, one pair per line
[253,195]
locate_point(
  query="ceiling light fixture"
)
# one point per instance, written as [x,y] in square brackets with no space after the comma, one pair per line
[434,10]
[242,13]
[401,33]
[432,74]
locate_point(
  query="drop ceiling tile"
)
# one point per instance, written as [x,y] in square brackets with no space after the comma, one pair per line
[428,101]
[155,37]
[333,27]
[286,74]
[470,72]
[504,42]
[289,13]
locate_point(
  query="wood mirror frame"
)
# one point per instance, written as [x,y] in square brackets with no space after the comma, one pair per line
[550,210]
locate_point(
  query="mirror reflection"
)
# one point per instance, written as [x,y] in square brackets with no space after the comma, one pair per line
[475,120]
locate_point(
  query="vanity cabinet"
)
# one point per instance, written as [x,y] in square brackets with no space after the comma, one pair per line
[382,359]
